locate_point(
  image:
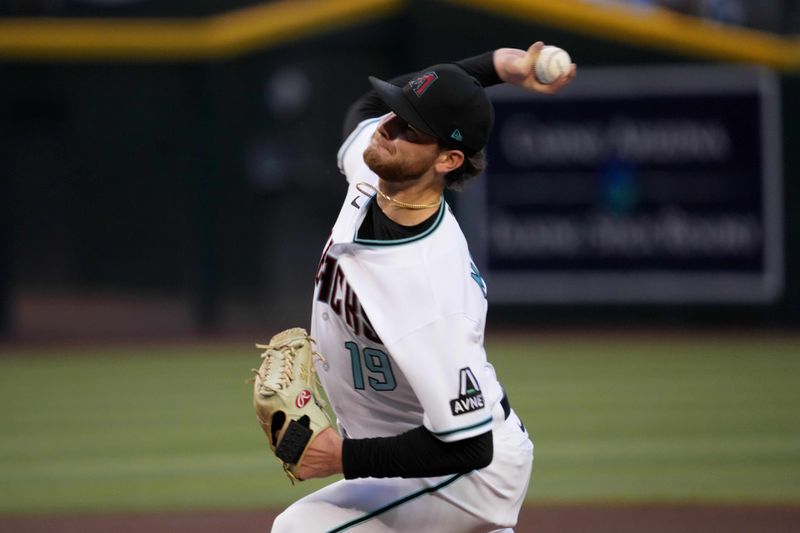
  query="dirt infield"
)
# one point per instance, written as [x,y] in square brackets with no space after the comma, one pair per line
[538,519]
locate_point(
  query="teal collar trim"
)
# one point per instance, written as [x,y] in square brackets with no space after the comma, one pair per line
[375,242]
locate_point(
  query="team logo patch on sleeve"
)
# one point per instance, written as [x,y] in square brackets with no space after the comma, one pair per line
[470,397]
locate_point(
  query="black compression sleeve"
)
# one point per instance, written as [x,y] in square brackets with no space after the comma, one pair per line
[415,453]
[481,67]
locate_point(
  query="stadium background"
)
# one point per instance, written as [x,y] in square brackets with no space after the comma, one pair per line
[167,175]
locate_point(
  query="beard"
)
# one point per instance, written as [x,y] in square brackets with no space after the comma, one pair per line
[392,167]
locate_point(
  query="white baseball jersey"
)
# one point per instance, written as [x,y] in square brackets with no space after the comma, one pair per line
[401,323]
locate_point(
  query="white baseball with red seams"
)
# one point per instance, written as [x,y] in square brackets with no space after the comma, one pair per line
[552,63]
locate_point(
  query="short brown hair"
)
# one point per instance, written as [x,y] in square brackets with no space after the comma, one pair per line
[472,166]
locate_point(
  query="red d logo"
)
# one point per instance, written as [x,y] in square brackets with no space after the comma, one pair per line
[302,398]
[421,84]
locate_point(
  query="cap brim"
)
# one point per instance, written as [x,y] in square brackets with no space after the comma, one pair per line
[394,97]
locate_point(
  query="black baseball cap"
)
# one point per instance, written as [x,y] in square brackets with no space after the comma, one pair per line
[445,102]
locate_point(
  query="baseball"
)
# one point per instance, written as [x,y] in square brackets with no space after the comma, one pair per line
[552,63]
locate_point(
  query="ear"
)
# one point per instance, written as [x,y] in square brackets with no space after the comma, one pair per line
[448,161]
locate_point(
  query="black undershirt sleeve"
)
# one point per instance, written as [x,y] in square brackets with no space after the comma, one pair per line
[481,67]
[415,453]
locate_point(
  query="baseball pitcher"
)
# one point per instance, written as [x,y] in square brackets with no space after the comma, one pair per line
[428,440]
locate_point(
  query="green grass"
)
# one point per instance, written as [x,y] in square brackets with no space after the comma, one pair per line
[109,428]
[661,420]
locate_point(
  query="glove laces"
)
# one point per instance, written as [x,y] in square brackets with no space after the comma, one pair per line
[278,368]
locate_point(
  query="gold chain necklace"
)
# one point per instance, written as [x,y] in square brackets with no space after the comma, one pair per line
[392,200]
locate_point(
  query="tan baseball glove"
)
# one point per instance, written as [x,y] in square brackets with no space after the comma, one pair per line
[287,397]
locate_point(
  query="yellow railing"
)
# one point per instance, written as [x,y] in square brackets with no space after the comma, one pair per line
[653,27]
[263,25]
[219,36]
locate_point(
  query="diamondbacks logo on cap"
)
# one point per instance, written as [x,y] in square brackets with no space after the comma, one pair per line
[470,397]
[421,84]
[457,135]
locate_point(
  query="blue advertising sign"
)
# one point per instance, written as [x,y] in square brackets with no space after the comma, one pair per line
[655,184]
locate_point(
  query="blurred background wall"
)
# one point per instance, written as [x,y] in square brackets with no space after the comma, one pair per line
[179,177]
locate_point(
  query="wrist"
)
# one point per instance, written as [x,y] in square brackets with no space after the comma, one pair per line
[503,59]
[337,455]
